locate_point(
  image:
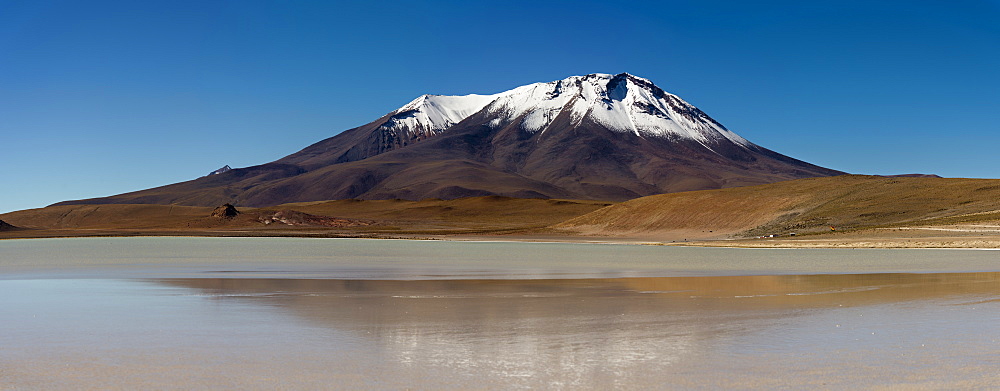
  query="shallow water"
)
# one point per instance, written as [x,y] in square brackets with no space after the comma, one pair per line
[412,259]
[126,314]
[834,331]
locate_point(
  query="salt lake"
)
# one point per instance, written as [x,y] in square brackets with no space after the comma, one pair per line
[266,313]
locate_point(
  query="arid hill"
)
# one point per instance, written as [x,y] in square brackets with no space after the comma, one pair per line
[802,206]
[900,211]
[489,212]
[107,216]
[4,226]
[464,215]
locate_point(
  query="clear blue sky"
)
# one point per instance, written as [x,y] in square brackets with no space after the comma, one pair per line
[104,97]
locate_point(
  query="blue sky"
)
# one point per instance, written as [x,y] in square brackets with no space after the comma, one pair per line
[105,97]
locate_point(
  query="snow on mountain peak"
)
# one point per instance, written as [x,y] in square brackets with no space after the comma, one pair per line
[623,103]
[429,114]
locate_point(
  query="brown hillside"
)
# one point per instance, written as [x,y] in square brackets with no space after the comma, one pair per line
[106,216]
[397,216]
[473,212]
[4,226]
[801,206]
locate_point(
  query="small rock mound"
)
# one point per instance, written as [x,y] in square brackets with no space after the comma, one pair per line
[226,211]
[4,226]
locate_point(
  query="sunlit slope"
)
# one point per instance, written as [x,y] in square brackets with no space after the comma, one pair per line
[491,212]
[800,206]
[108,216]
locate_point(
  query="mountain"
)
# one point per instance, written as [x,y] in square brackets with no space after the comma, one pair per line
[225,168]
[599,136]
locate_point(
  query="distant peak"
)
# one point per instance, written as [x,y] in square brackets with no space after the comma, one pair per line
[429,114]
[225,168]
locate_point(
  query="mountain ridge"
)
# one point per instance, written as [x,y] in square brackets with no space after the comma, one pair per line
[598,136]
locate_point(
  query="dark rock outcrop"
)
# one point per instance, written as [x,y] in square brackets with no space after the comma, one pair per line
[226,211]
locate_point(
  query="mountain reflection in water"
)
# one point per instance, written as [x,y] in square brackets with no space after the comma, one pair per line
[617,332]
[828,331]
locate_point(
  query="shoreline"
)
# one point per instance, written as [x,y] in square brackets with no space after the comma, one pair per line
[416,259]
[852,240]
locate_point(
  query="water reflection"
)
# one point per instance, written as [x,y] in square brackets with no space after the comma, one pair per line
[590,332]
[366,259]
[642,293]
[830,331]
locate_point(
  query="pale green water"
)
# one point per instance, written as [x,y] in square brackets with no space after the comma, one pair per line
[409,259]
[180,313]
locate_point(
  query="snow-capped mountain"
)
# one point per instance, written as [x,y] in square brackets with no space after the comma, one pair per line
[428,115]
[422,118]
[623,103]
[598,136]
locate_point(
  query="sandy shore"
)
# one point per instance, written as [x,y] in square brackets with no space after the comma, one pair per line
[908,237]
[981,237]
[941,242]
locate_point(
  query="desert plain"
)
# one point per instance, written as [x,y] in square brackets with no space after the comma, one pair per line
[842,211]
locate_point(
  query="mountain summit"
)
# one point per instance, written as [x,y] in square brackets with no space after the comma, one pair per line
[598,136]
[622,103]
